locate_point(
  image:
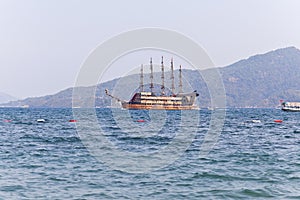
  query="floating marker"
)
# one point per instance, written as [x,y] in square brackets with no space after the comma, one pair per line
[7,120]
[72,120]
[278,120]
[41,120]
[140,120]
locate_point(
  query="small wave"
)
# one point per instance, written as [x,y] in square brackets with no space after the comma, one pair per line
[255,193]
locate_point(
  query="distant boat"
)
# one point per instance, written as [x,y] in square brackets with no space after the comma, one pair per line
[41,120]
[148,100]
[24,106]
[290,106]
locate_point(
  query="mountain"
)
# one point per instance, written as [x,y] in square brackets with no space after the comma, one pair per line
[259,81]
[4,98]
[262,80]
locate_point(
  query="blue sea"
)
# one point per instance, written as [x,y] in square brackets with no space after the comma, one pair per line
[149,155]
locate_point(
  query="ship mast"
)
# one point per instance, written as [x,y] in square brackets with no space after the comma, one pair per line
[172,77]
[142,80]
[162,77]
[180,80]
[151,76]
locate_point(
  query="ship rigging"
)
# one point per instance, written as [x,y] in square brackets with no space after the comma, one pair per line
[148,100]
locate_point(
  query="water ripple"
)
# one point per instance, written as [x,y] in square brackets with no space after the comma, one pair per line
[255,158]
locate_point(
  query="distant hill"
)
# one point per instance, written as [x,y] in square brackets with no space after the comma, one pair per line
[4,98]
[259,81]
[262,80]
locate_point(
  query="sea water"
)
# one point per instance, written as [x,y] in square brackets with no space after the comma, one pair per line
[252,157]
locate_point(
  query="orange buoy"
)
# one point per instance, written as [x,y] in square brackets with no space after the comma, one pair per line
[140,120]
[278,120]
[72,120]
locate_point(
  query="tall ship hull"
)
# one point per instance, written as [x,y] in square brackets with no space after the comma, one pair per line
[148,100]
[158,107]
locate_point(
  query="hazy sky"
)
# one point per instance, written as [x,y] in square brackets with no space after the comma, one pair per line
[44,43]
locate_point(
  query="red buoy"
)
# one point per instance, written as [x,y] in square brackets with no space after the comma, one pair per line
[140,120]
[72,120]
[278,120]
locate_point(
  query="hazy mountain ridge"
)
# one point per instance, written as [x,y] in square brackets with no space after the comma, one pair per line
[4,98]
[259,81]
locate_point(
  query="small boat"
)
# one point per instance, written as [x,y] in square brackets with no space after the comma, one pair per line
[41,120]
[255,121]
[290,106]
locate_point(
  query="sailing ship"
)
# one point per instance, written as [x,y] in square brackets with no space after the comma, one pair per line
[148,100]
[290,106]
